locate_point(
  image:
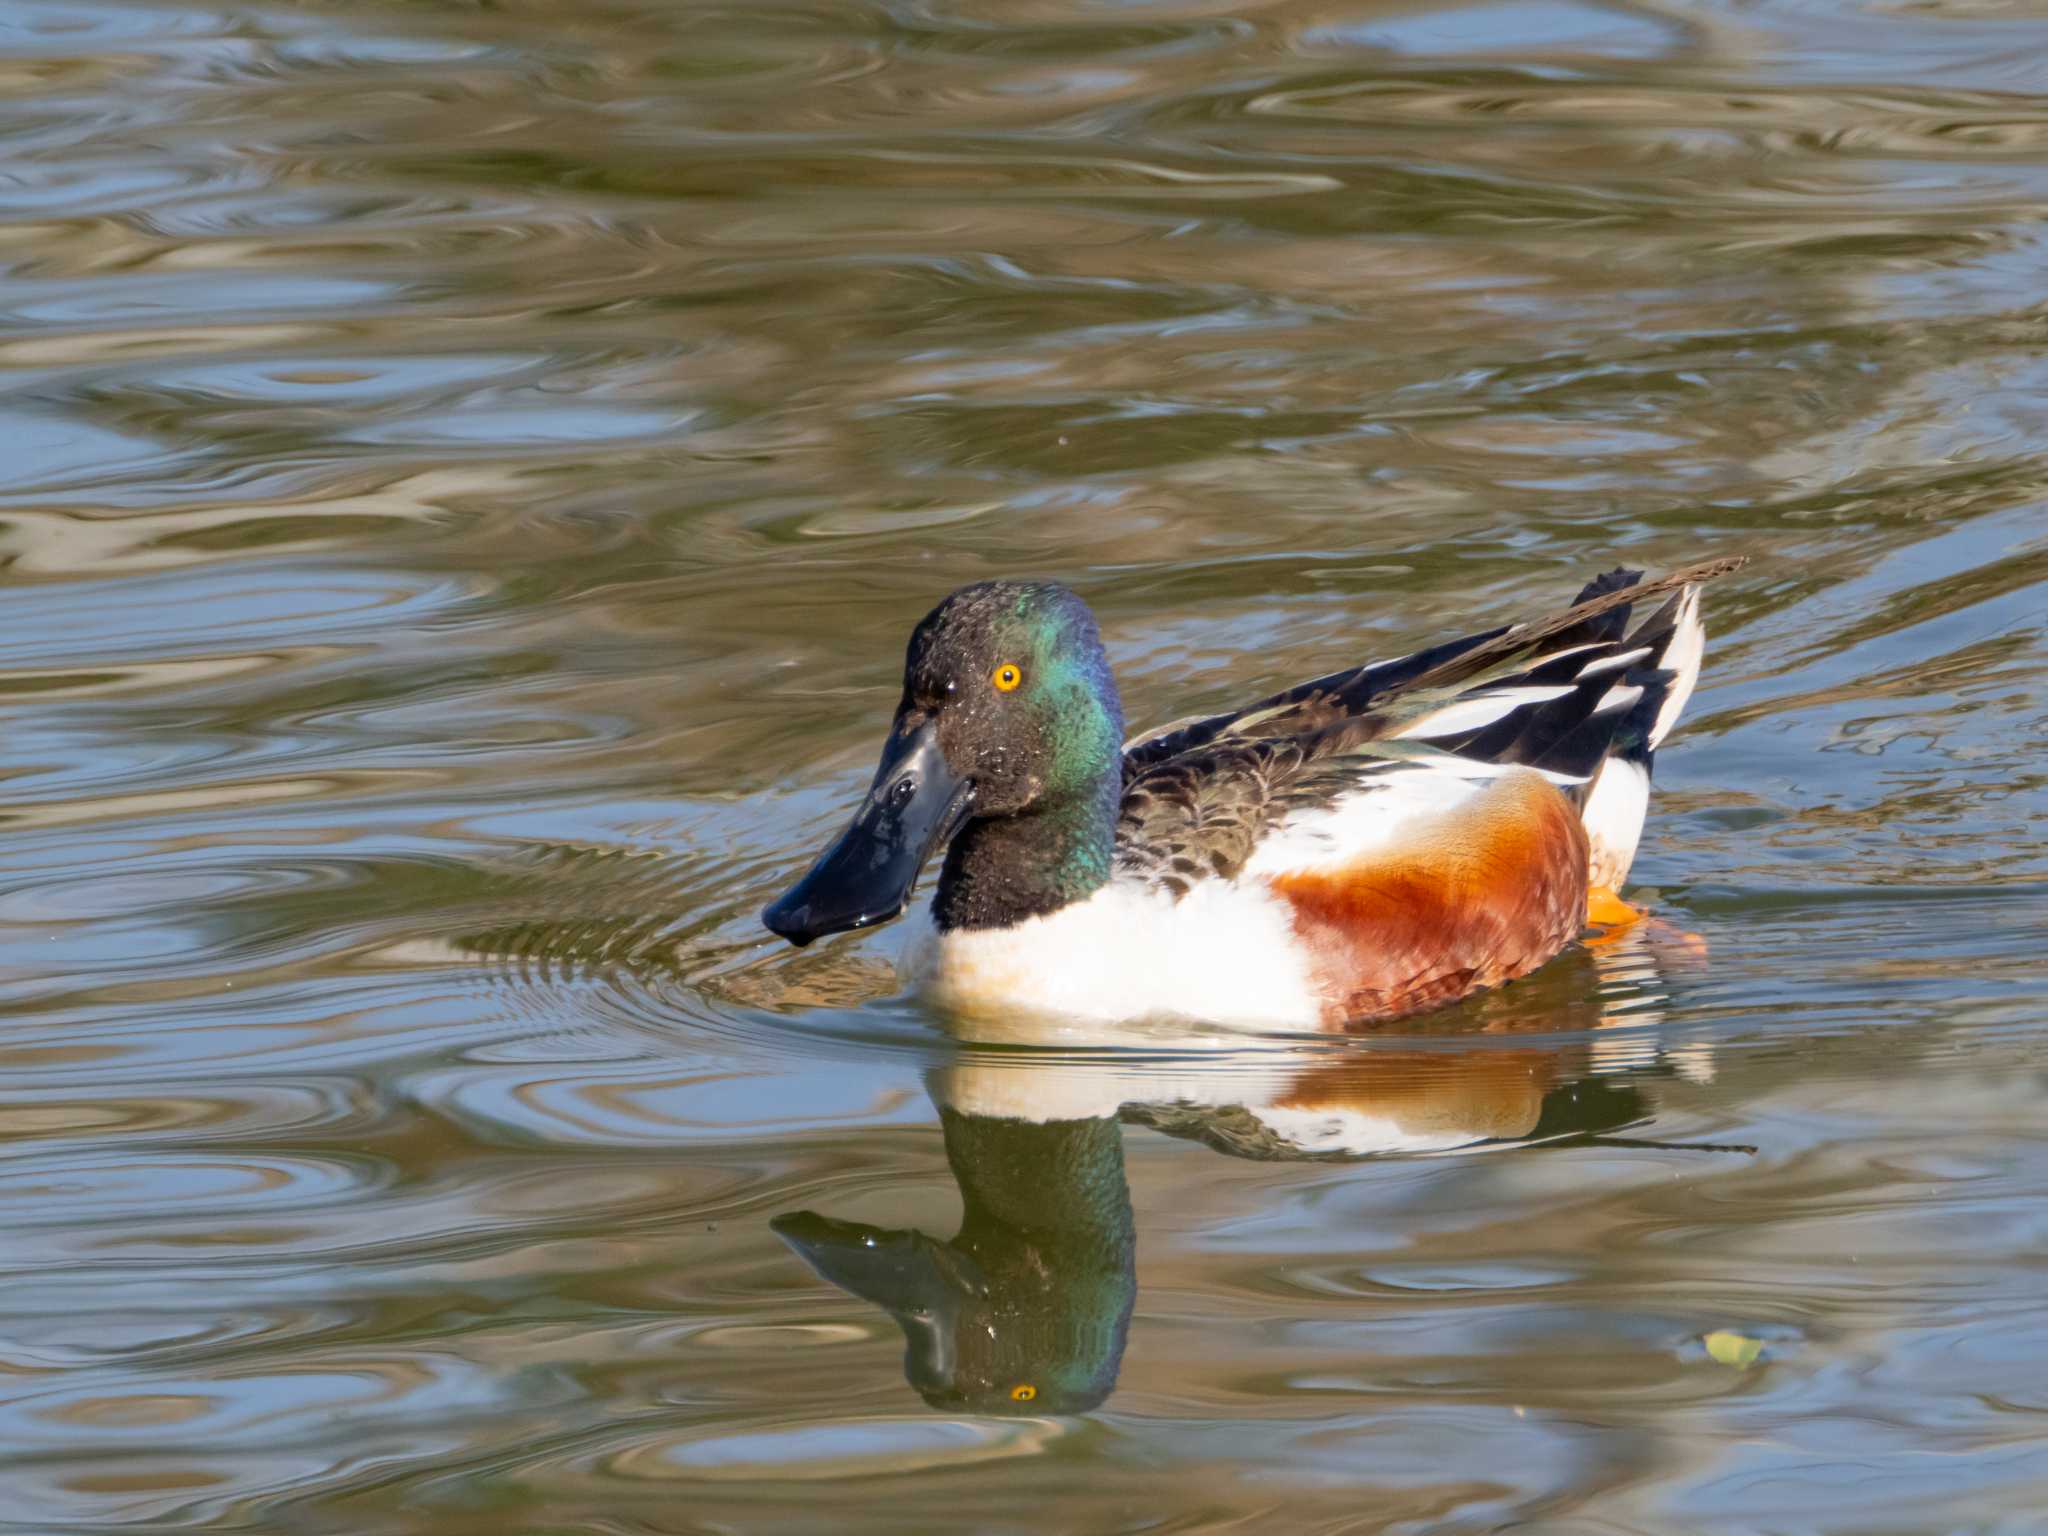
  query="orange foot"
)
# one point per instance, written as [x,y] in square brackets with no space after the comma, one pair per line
[1617,920]
[1604,909]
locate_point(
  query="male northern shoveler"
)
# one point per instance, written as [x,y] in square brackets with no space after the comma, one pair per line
[1366,845]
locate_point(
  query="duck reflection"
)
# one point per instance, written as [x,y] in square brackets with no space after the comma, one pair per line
[1026,1308]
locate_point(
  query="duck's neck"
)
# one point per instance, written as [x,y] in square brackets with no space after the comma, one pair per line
[1003,869]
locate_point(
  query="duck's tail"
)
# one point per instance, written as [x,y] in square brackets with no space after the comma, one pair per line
[1589,707]
[1664,654]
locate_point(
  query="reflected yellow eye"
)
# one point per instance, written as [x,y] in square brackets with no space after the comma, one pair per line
[1023,1393]
[1006,677]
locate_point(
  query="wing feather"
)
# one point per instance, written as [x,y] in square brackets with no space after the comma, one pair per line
[1559,694]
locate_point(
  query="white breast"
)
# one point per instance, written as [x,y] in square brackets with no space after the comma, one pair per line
[1226,951]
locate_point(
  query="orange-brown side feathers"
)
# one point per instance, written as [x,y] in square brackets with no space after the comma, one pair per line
[1475,897]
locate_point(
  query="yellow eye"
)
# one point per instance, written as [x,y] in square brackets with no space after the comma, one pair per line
[1006,677]
[1024,1393]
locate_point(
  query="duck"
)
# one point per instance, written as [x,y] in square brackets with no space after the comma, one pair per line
[1384,840]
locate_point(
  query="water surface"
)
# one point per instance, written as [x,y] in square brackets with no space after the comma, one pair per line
[470,472]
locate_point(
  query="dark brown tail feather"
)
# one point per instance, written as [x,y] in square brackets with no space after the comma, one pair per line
[1518,638]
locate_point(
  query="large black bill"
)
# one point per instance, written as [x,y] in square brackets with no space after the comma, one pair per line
[916,803]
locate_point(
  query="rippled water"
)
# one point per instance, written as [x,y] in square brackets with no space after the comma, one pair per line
[469,472]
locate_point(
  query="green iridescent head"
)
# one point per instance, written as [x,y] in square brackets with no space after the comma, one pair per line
[1009,736]
[1014,675]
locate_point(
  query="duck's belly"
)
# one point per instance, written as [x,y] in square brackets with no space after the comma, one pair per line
[1226,951]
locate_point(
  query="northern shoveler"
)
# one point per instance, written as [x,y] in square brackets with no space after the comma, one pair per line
[1366,845]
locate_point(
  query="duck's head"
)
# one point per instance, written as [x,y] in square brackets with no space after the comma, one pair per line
[1009,708]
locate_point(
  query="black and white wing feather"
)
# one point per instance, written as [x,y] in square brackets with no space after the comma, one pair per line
[1566,695]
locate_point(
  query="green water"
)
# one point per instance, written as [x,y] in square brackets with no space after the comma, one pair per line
[469,474]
